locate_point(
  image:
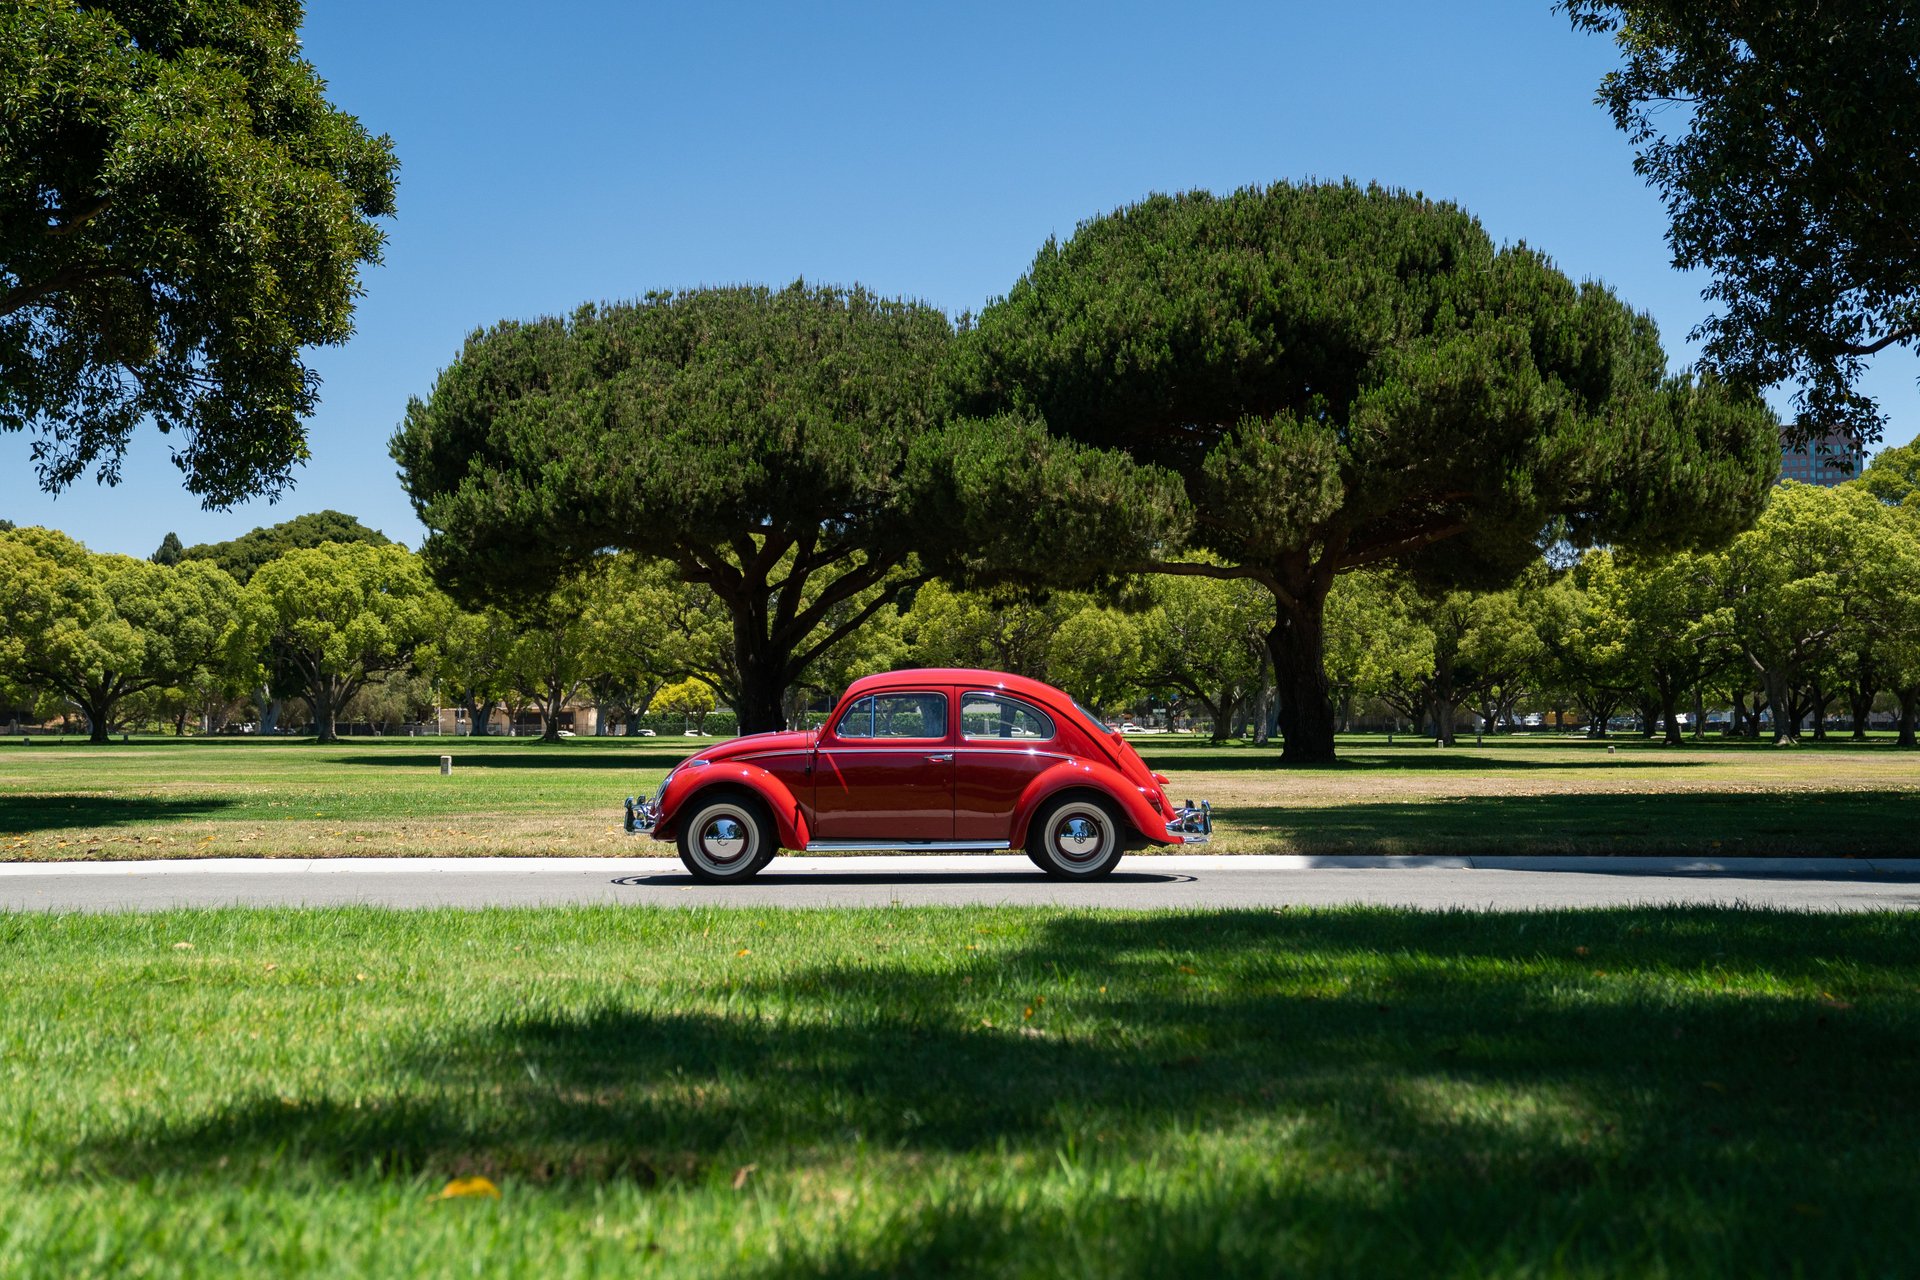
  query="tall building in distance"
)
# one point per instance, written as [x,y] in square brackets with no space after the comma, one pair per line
[1827,460]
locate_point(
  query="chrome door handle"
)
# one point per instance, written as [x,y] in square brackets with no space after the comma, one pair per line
[941,759]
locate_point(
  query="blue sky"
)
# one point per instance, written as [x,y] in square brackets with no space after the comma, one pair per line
[560,153]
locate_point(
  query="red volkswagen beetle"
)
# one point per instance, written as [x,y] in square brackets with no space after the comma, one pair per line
[932,760]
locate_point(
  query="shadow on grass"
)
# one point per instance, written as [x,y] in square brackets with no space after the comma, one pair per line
[1414,759]
[23,814]
[559,758]
[1697,823]
[1359,1093]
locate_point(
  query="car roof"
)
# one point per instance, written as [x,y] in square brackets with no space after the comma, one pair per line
[970,677]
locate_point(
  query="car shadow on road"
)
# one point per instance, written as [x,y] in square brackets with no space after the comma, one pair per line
[776,879]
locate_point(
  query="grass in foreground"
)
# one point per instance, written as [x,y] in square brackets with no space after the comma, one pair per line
[978,1092]
[199,798]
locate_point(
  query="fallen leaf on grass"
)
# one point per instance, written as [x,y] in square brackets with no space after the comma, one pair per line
[183,946]
[741,1175]
[475,1186]
[271,966]
[744,951]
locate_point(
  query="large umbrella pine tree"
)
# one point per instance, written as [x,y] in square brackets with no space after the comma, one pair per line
[757,439]
[1342,377]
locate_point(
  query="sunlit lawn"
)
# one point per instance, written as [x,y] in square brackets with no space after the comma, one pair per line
[985,1091]
[1535,794]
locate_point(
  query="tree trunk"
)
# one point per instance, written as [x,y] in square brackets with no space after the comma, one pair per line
[1699,713]
[325,702]
[1670,713]
[763,684]
[1297,645]
[97,711]
[1860,706]
[1786,730]
[1909,713]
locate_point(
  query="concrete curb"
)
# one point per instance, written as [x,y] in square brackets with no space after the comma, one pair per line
[1822,868]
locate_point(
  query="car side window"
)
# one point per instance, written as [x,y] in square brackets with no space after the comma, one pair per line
[995,715]
[895,715]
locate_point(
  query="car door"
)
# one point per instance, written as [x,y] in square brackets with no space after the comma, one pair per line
[1005,742]
[884,769]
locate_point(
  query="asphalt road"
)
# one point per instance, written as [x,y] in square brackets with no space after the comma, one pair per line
[1193,881]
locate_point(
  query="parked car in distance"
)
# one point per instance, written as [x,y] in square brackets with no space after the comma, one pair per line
[1128,726]
[648,733]
[941,759]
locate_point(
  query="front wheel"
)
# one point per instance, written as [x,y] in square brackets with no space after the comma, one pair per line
[726,838]
[1076,838]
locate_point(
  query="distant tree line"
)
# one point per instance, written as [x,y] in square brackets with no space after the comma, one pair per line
[1812,613]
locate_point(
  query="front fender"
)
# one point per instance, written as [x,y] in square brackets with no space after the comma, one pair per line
[789,822]
[1089,775]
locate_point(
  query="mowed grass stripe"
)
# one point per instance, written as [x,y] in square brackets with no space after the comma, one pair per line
[976,1092]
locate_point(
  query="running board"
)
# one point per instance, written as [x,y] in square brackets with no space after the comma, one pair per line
[905,846]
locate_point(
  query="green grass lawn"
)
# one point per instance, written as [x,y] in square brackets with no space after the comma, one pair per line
[1536,794]
[981,1092]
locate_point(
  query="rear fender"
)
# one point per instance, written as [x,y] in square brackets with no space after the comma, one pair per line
[790,824]
[1148,822]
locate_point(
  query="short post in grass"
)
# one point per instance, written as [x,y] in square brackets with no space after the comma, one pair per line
[446,766]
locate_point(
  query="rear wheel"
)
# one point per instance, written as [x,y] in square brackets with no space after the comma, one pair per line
[1076,838]
[726,838]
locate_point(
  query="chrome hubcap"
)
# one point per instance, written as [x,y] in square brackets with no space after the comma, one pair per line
[723,840]
[1078,838]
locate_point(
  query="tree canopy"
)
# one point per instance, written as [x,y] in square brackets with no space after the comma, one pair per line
[341,614]
[243,556]
[1341,376]
[99,629]
[758,439]
[182,212]
[1894,476]
[1789,173]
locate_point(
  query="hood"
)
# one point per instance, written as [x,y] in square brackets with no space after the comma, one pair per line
[756,744]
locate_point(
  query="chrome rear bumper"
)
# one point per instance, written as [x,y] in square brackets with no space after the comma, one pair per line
[1192,823]
[641,816]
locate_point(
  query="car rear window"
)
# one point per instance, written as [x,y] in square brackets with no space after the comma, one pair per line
[997,716]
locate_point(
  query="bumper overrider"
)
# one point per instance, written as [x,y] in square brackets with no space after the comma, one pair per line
[641,816]
[1192,823]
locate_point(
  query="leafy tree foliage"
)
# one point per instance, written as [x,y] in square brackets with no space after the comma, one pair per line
[99,629]
[470,660]
[243,556]
[169,552]
[1894,476]
[181,212]
[1379,645]
[1583,628]
[998,630]
[1819,563]
[691,699]
[340,614]
[1340,377]
[755,438]
[1205,640]
[1789,173]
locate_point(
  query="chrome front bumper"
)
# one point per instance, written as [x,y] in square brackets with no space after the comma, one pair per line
[641,816]
[1192,823]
